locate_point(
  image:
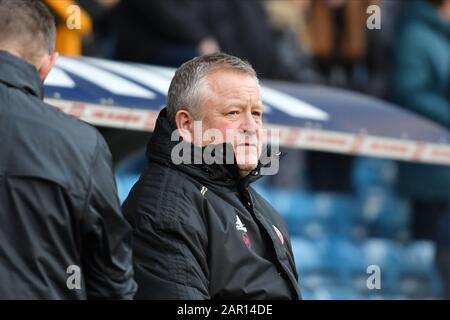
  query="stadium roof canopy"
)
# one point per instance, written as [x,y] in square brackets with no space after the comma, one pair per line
[129,96]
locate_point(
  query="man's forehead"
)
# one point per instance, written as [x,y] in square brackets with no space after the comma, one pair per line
[226,79]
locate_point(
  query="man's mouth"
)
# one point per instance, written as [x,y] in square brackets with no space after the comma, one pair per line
[247,145]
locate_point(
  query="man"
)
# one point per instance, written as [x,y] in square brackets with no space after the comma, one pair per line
[200,230]
[420,82]
[62,235]
[162,32]
[421,67]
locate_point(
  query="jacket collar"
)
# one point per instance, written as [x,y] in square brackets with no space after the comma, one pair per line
[160,148]
[17,73]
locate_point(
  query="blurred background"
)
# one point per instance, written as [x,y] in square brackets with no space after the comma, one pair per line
[344,212]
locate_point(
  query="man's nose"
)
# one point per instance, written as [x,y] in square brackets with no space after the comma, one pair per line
[249,125]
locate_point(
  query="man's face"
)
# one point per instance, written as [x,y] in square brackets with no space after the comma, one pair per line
[232,106]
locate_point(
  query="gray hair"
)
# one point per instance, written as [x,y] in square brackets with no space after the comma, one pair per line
[184,90]
[29,26]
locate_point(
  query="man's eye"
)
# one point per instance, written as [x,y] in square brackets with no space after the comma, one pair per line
[233,113]
[257,114]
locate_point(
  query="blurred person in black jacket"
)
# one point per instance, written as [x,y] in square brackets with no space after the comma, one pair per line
[62,234]
[243,29]
[170,32]
[102,12]
[162,32]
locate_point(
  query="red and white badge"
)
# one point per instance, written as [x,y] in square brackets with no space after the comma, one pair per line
[279,234]
[246,239]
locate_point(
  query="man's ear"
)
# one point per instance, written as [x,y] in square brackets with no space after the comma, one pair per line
[47,64]
[185,125]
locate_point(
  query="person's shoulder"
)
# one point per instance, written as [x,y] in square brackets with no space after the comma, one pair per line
[165,180]
[72,132]
[69,122]
[163,193]
[50,144]
[32,117]
[79,140]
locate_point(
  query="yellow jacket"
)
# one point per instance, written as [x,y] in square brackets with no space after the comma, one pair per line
[73,23]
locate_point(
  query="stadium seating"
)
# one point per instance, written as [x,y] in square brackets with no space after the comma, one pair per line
[336,237]
[386,216]
[371,174]
[419,277]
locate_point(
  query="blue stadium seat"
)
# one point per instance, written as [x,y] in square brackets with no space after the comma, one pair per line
[336,212]
[373,173]
[313,268]
[386,216]
[307,294]
[128,172]
[308,256]
[329,261]
[336,293]
[337,268]
[124,184]
[297,207]
[375,295]
[419,275]
[387,255]
[347,256]
[313,215]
